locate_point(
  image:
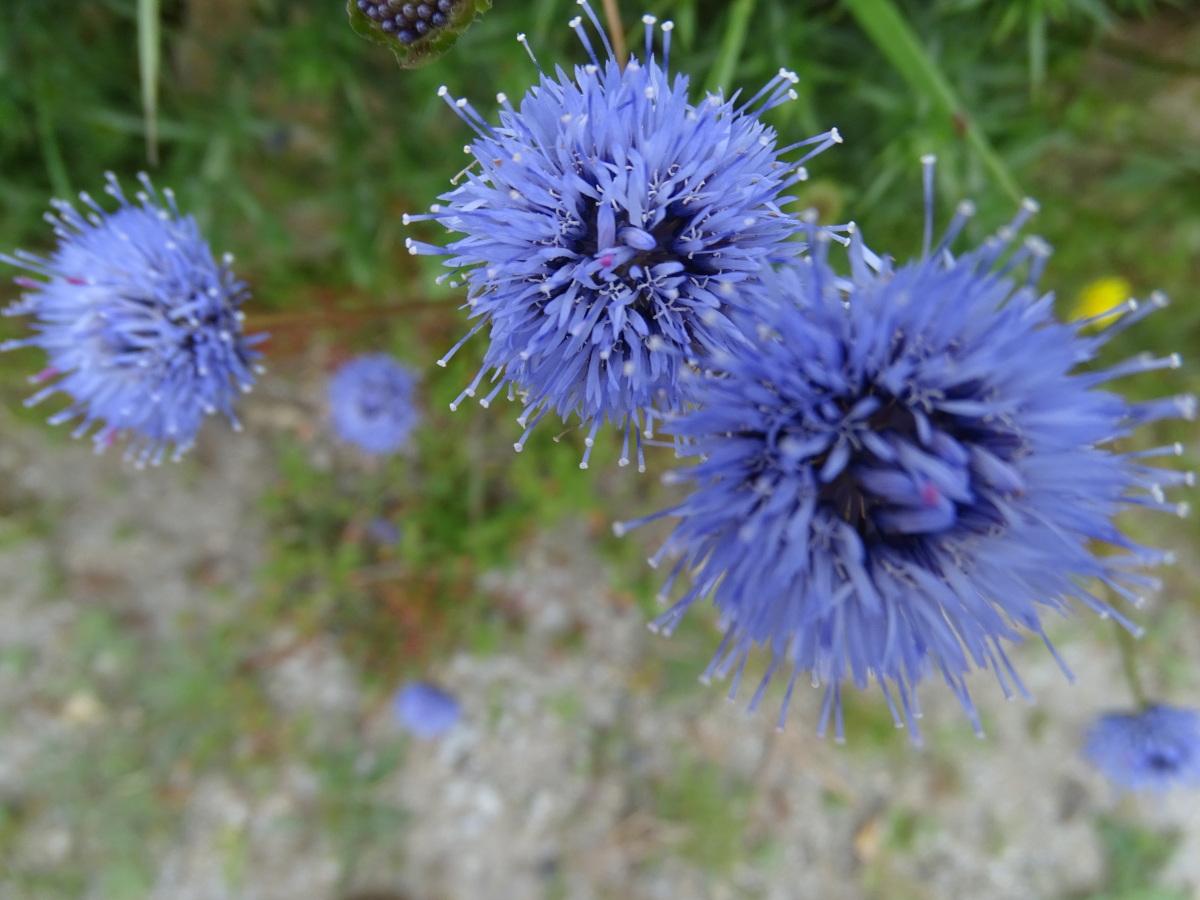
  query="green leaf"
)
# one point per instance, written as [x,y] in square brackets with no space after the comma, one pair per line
[425,50]
[892,36]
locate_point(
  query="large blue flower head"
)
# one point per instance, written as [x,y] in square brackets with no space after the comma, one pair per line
[141,326]
[1156,749]
[908,469]
[371,403]
[609,225]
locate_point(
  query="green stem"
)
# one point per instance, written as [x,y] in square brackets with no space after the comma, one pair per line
[740,12]
[1125,641]
[149,55]
[56,166]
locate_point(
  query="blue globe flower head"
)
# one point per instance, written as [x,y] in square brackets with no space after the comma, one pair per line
[371,403]
[426,711]
[141,326]
[1156,749]
[609,224]
[909,469]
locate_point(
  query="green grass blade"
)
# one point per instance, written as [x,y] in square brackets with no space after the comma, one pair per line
[56,166]
[740,12]
[893,37]
[149,57]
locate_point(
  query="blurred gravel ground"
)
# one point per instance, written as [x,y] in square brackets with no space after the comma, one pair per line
[574,774]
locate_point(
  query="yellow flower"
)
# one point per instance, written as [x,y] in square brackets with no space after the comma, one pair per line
[1100,296]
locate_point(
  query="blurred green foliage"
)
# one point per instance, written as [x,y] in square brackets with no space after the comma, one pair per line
[1135,856]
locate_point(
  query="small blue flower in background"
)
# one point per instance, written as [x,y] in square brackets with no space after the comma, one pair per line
[141,327]
[426,711]
[384,532]
[371,402]
[1156,749]
[610,223]
[910,468]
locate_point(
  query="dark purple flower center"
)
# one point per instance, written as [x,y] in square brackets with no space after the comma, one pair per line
[636,250]
[896,474]
[1163,760]
[408,21]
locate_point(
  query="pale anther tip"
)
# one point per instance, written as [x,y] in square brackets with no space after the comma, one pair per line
[668,25]
[929,159]
[835,135]
[442,363]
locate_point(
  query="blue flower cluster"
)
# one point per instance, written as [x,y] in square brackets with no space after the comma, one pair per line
[608,223]
[1155,749]
[907,470]
[141,326]
[898,470]
[371,403]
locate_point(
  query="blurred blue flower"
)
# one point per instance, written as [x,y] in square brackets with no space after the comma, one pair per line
[911,466]
[610,223]
[426,711]
[383,532]
[141,327]
[371,403]
[1156,749]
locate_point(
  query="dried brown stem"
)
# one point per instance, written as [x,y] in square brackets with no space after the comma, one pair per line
[616,32]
